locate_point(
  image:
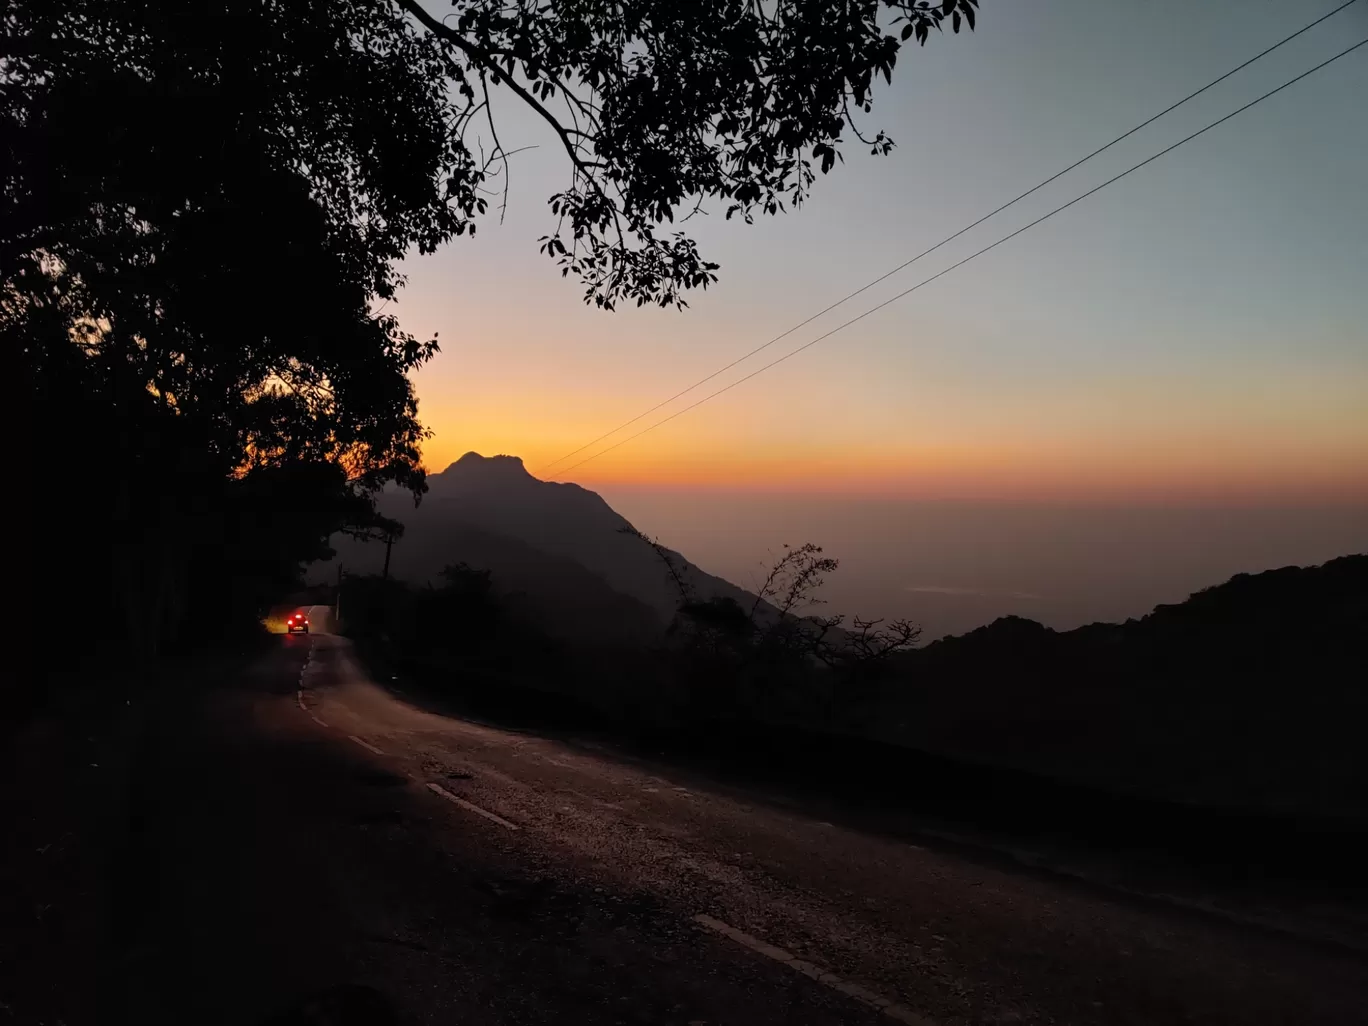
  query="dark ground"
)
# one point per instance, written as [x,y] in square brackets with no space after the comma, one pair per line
[1297,874]
[260,853]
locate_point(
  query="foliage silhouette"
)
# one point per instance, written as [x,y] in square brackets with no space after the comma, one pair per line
[767,659]
[667,106]
[203,208]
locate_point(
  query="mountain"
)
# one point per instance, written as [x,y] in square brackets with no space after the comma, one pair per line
[1252,623]
[559,545]
[1248,693]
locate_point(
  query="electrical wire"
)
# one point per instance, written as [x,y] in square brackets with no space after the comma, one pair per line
[950,238]
[972,256]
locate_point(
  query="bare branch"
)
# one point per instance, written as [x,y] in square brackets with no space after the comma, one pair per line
[498,146]
[485,60]
[676,575]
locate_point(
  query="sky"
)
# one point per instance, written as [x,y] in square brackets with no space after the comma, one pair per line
[1194,337]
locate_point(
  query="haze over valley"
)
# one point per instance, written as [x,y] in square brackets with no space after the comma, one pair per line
[949,566]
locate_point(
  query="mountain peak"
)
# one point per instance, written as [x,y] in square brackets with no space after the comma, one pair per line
[498,467]
[495,496]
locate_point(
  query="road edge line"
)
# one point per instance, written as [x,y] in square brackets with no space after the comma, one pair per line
[365,744]
[814,972]
[471,807]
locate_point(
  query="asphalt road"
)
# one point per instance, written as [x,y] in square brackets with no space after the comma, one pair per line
[307,828]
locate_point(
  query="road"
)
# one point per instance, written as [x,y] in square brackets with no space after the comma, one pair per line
[306,827]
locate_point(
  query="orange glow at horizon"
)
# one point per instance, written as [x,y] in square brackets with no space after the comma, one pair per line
[1251,437]
[1195,335]
[979,472]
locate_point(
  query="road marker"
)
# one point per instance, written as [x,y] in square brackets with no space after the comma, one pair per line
[317,720]
[865,996]
[471,806]
[365,744]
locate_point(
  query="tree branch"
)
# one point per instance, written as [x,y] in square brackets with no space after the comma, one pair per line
[498,146]
[486,62]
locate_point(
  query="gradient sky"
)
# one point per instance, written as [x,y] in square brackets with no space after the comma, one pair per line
[1195,332]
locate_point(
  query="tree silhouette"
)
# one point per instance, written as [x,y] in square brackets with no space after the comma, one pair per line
[202,210]
[660,106]
[365,109]
[744,658]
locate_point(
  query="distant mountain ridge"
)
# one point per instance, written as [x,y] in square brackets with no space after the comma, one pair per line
[488,511]
[1247,692]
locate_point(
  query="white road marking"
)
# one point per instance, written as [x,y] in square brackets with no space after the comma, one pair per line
[865,996]
[317,720]
[471,806]
[365,744]
[299,695]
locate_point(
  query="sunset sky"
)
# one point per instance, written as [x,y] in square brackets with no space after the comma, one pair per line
[1193,334]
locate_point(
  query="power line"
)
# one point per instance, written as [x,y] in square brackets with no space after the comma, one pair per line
[950,238]
[971,256]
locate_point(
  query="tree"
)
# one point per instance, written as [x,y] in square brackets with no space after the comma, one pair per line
[661,106]
[792,581]
[773,650]
[202,210]
[214,199]
[366,107]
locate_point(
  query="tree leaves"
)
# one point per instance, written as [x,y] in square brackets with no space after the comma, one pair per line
[310,151]
[203,204]
[661,107]
[201,208]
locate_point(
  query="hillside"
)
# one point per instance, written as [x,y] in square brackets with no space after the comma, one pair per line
[1249,692]
[559,545]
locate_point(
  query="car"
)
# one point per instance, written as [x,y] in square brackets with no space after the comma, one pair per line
[297,623]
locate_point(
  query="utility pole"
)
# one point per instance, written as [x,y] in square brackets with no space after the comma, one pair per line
[389,543]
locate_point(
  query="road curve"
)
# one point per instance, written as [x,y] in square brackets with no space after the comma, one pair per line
[480,875]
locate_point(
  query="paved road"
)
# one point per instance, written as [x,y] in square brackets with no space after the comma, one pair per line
[310,828]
